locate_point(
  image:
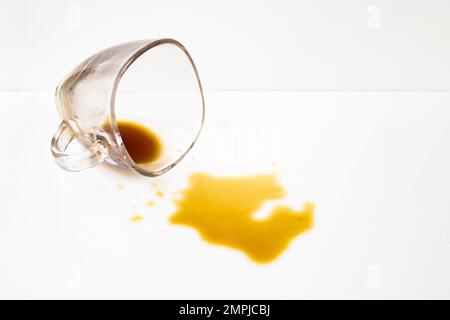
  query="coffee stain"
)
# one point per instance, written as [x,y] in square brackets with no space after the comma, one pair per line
[222,210]
[137,218]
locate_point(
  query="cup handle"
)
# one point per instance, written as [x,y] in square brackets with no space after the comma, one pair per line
[93,154]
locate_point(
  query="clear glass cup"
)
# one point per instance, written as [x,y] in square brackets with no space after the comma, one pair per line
[152,82]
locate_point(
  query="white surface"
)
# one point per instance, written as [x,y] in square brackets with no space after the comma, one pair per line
[376,165]
[240,45]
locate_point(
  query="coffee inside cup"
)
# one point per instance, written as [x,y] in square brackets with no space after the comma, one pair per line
[142,144]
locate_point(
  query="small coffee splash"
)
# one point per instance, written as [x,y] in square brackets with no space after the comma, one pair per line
[221,209]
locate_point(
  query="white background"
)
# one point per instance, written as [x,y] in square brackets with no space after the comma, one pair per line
[240,45]
[376,164]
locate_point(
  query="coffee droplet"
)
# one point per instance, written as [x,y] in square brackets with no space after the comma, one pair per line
[137,218]
[142,144]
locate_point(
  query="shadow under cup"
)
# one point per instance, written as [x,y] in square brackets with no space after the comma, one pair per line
[160,90]
[151,83]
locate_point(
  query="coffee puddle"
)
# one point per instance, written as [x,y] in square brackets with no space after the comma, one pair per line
[221,209]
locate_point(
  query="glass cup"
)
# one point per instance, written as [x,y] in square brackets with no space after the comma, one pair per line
[152,82]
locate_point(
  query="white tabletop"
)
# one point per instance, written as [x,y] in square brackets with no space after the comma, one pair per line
[375,164]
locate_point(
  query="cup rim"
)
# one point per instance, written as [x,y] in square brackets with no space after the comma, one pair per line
[150,44]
